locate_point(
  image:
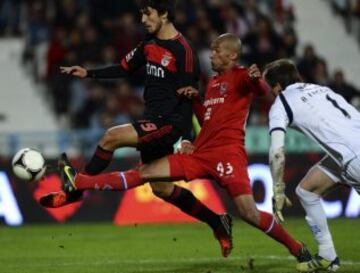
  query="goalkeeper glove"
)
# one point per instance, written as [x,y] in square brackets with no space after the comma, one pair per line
[280,200]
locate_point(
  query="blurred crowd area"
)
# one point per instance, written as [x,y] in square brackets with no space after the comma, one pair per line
[349,11]
[94,33]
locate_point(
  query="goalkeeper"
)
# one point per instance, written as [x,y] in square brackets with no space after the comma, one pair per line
[334,124]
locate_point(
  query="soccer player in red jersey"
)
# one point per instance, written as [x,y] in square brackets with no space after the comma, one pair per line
[218,151]
[170,64]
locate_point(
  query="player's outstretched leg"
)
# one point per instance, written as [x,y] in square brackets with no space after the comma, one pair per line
[157,170]
[68,194]
[267,223]
[73,182]
[318,263]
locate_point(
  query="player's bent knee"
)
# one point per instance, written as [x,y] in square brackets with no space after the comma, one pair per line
[162,189]
[109,140]
[306,196]
[148,173]
[113,139]
[299,191]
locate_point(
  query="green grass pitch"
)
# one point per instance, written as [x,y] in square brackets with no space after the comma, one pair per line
[176,248]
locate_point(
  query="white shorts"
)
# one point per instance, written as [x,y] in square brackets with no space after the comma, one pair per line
[349,174]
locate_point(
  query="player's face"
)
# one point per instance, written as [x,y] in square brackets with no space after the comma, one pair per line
[151,20]
[276,89]
[220,56]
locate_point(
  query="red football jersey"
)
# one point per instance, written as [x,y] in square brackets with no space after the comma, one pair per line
[227,103]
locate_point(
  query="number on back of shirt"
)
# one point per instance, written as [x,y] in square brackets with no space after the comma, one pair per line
[338,107]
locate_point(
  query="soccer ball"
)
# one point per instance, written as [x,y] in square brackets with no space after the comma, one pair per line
[28,164]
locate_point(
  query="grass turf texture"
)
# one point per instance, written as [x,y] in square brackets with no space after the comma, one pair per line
[177,248]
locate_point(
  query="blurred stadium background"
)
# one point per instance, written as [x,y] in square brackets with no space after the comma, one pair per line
[42,109]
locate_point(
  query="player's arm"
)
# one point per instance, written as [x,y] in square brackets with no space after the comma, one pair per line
[188,66]
[278,123]
[131,62]
[193,94]
[277,166]
[259,85]
[108,72]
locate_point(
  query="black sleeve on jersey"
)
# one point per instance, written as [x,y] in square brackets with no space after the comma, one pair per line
[109,72]
[188,66]
[193,78]
[130,63]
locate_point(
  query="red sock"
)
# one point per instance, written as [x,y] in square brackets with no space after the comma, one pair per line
[274,230]
[114,181]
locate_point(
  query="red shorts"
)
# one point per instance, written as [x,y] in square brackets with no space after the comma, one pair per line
[228,169]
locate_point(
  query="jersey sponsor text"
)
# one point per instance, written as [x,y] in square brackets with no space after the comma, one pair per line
[154,70]
[213,101]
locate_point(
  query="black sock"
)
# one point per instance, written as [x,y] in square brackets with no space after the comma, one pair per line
[100,160]
[188,203]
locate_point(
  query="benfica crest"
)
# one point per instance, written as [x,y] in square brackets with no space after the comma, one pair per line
[165,60]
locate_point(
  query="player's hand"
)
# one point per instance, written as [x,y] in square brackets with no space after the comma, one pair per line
[280,200]
[185,147]
[254,72]
[76,71]
[188,91]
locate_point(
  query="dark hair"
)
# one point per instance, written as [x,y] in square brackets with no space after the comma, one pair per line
[162,6]
[282,71]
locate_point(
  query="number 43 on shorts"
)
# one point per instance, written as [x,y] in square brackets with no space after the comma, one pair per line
[224,169]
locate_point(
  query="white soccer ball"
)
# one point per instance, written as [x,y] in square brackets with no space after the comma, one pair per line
[28,164]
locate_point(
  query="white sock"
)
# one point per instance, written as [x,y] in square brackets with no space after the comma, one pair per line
[316,219]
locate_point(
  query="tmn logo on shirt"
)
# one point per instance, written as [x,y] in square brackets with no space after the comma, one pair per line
[154,70]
